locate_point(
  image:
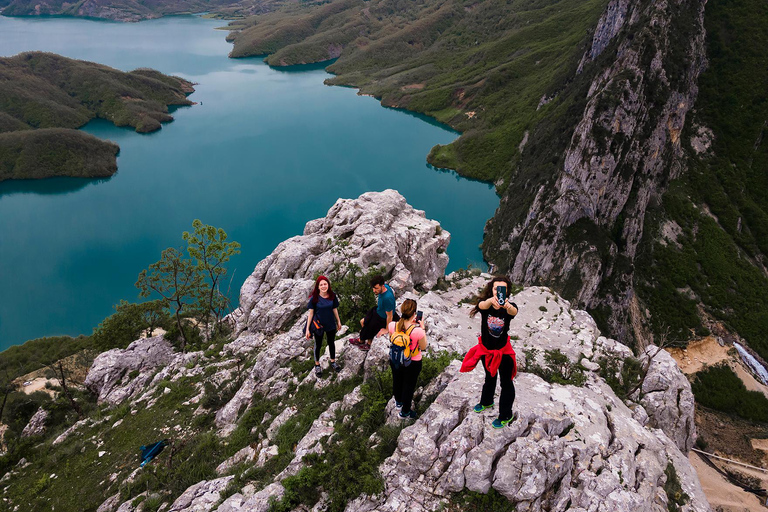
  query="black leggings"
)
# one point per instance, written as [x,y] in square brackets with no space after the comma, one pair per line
[507,397]
[331,337]
[404,383]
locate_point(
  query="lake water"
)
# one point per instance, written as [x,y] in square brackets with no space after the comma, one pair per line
[263,152]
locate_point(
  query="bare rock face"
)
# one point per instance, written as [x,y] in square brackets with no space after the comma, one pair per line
[569,449]
[201,496]
[36,425]
[380,228]
[110,376]
[667,397]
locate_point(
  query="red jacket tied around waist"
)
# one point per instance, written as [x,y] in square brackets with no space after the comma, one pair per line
[492,358]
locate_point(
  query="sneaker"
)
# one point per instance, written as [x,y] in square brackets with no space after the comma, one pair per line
[399,405]
[318,370]
[355,341]
[364,347]
[335,366]
[410,415]
[497,423]
[481,407]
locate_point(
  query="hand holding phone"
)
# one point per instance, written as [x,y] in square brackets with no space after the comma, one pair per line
[501,295]
[419,316]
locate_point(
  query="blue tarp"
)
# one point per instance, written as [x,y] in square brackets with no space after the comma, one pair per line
[150,452]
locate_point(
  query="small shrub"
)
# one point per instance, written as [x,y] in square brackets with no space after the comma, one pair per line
[676,497]
[557,369]
[471,501]
[621,375]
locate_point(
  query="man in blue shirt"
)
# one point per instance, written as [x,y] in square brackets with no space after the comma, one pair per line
[378,317]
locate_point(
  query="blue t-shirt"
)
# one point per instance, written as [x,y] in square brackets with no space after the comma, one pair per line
[386,302]
[324,312]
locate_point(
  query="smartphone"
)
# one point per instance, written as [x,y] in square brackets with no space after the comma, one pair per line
[419,315]
[501,294]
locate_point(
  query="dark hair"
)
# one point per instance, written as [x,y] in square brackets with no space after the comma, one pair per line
[316,292]
[407,310]
[377,279]
[488,291]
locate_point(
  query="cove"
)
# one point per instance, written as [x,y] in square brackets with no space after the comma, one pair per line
[263,152]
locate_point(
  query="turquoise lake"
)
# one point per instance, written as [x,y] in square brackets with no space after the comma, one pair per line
[264,151]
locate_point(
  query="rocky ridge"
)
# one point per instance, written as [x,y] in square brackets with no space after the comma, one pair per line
[582,229]
[571,447]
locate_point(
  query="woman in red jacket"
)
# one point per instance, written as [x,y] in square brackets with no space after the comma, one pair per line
[494,349]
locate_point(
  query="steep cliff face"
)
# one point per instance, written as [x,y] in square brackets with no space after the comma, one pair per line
[581,232]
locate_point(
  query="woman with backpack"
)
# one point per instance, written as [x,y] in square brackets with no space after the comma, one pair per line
[406,367]
[494,349]
[323,319]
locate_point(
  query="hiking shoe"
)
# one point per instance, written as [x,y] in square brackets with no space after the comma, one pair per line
[318,370]
[481,407]
[335,367]
[497,423]
[364,347]
[355,341]
[410,415]
[399,405]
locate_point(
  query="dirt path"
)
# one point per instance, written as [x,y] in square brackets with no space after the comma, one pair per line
[721,493]
[706,351]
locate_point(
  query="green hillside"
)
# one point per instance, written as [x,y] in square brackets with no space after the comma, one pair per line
[482,67]
[44,98]
[122,10]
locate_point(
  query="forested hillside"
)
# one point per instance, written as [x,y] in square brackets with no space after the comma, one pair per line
[126,10]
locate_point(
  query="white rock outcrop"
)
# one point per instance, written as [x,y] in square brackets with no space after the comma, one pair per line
[378,229]
[570,448]
[36,425]
[110,374]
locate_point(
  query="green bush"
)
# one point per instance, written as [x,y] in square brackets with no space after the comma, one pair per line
[128,323]
[557,369]
[622,376]
[676,496]
[717,387]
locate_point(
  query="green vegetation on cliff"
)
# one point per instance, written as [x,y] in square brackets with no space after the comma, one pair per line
[45,97]
[484,68]
[721,203]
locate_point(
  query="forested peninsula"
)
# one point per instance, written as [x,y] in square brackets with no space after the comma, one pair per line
[44,98]
[130,10]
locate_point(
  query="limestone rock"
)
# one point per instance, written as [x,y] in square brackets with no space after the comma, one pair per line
[569,447]
[36,425]
[668,399]
[110,375]
[583,227]
[381,230]
[259,502]
[201,496]
[110,504]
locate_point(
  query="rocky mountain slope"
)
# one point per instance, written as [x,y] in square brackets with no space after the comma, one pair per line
[251,428]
